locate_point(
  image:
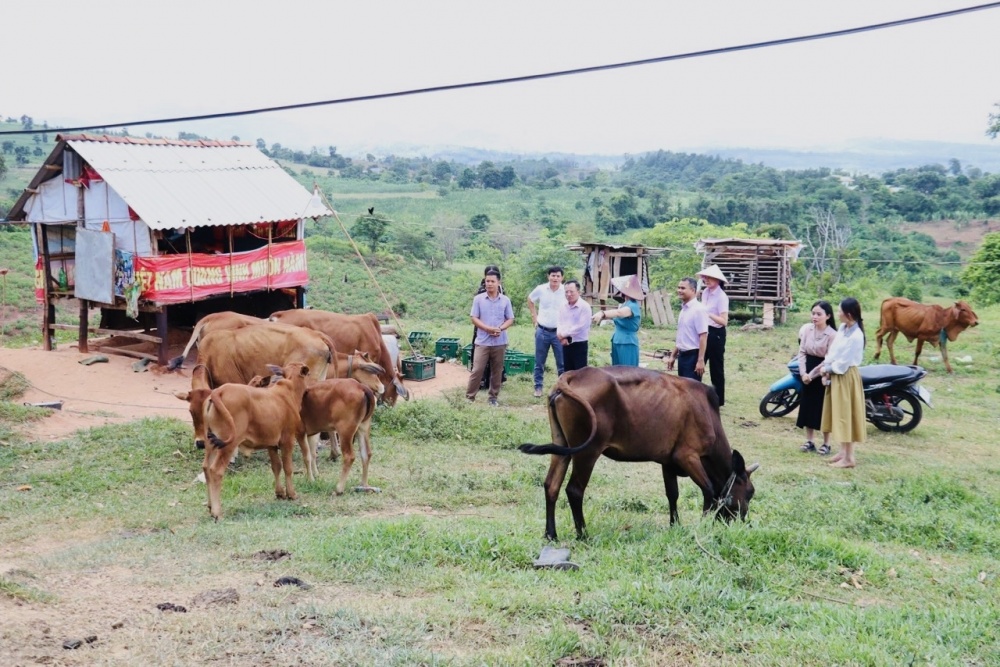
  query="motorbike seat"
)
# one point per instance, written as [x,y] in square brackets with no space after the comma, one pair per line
[879,373]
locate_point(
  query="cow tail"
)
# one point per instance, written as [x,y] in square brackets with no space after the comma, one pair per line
[370,403]
[228,430]
[553,448]
[178,361]
[332,357]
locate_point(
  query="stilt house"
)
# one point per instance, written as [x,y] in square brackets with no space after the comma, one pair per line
[150,232]
[759,270]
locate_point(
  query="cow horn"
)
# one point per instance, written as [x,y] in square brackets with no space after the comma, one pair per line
[753,468]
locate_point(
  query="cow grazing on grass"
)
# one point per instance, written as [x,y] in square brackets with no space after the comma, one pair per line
[237,415]
[352,332]
[634,414]
[924,322]
[212,322]
[236,355]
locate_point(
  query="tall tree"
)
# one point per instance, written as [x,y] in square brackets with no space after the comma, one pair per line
[372,228]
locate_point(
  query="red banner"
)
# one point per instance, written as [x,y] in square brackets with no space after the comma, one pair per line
[180,278]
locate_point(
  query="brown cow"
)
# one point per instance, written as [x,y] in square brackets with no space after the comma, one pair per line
[923,322]
[213,322]
[236,355]
[352,332]
[240,416]
[634,414]
[344,407]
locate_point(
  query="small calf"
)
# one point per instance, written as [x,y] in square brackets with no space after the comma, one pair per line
[344,407]
[239,415]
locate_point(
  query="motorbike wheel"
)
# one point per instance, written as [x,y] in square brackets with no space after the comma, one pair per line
[908,405]
[779,403]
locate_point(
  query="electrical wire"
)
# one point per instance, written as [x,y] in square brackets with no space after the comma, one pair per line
[529,77]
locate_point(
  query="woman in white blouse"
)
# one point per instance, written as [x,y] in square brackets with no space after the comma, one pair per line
[814,342]
[844,406]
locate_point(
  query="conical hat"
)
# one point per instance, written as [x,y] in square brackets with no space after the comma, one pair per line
[713,272]
[629,286]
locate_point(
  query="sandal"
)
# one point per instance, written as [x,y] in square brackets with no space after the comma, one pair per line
[824,449]
[809,447]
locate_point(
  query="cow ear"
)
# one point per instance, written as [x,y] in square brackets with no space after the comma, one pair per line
[305,371]
[739,465]
[183,395]
[275,370]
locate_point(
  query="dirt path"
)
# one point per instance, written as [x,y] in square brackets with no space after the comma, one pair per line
[112,392]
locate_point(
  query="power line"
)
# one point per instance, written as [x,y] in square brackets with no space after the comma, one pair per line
[529,77]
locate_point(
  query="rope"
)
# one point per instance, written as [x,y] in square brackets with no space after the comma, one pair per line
[371,274]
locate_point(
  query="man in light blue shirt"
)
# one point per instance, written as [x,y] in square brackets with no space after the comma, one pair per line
[492,314]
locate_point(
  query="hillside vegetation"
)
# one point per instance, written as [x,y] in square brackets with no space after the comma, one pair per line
[436,223]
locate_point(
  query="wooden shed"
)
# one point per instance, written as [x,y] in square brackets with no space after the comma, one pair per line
[759,270]
[604,261]
[145,229]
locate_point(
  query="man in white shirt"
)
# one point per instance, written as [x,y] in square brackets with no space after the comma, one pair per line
[549,298]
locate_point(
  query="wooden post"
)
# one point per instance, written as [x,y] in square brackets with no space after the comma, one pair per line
[82,339]
[49,309]
[162,331]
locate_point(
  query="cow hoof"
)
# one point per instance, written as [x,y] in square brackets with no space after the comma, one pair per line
[338,492]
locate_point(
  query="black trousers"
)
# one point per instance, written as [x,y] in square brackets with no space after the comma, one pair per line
[715,353]
[575,355]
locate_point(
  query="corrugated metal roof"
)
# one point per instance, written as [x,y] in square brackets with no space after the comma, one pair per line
[173,184]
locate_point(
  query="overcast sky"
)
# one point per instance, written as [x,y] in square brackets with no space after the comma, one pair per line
[108,61]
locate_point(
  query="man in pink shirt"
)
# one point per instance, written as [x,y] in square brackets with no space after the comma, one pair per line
[692,333]
[716,304]
[573,328]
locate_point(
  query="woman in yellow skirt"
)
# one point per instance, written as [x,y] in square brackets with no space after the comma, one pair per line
[844,404]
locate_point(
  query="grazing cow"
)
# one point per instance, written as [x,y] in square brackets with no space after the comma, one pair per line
[924,322]
[213,322]
[351,332]
[634,414]
[236,355]
[240,416]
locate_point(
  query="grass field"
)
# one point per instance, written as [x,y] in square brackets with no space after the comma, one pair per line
[894,562]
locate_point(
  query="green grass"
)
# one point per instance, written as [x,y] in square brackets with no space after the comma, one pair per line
[894,562]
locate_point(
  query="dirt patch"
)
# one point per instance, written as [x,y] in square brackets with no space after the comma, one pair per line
[112,392]
[963,237]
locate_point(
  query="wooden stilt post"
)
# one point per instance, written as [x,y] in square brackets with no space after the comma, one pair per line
[162,331]
[49,308]
[82,340]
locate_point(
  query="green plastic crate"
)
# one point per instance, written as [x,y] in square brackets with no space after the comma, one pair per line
[419,340]
[518,362]
[467,355]
[447,348]
[419,368]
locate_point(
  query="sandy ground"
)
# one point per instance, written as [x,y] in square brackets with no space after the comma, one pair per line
[112,392]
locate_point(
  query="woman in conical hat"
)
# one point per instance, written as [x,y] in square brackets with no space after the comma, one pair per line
[626,318]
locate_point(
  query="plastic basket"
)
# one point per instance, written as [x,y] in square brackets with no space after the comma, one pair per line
[419,368]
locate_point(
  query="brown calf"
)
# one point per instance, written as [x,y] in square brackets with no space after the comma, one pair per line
[237,415]
[344,407]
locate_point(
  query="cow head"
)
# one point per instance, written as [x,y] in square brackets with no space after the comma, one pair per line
[367,372]
[734,501]
[196,400]
[964,315]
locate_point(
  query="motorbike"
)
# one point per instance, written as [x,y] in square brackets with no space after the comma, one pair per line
[892,395]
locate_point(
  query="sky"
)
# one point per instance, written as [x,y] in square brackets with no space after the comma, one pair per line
[113,61]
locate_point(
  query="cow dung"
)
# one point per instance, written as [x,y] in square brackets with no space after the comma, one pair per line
[215,597]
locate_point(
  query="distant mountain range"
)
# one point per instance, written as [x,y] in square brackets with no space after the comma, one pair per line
[873,157]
